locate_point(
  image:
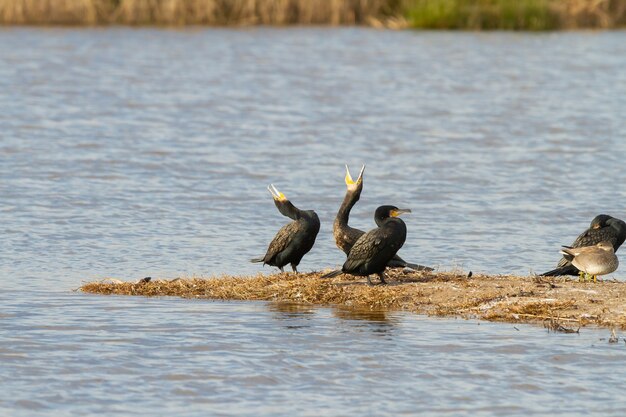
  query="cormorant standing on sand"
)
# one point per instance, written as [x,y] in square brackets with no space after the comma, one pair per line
[371,253]
[293,240]
[346,236]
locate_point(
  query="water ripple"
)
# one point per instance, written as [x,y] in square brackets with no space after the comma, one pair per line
[130,153]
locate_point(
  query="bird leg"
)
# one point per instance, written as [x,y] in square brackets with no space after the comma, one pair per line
[595,278]
[581,276]
[294,268]
[281,269]
[381,275]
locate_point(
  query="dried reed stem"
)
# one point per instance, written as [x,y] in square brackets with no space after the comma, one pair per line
[436,14]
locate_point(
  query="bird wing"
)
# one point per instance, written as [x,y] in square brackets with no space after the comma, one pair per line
[281,240]
[372,244]
[592,237]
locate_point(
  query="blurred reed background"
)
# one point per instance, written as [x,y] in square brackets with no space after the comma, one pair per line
[195,12]
[427,14]
[516,14]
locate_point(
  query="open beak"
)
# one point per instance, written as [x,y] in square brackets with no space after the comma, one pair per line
[350,181]
[398,212]
[277,195]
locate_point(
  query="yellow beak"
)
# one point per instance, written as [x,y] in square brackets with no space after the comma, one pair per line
[277,195]
[350,181]
[397,213]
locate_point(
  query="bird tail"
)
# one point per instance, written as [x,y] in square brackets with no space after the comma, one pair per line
[562,270]
[256,260]
[333,274]
[398,262]
[419,267]
[568,253]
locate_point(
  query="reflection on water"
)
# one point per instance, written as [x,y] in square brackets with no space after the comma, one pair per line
[362,314]
[70,354]
[289,310]
[133,153]
[291,315]
[379,323]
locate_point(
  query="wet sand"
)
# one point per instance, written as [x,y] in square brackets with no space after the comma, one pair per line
[563,303]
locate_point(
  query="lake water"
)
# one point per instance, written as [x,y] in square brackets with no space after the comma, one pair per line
[140,152]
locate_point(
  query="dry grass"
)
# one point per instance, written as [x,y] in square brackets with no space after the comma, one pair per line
[494,298]
[433,14]
[196,12]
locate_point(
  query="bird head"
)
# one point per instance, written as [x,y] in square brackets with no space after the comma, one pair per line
[600,221]
[607,246]
[385,212]
[277,195]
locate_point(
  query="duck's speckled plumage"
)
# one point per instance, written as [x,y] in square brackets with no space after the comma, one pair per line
[598,259]
[603,228]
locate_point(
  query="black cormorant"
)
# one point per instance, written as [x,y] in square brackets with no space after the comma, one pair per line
[371,253]
[293,240]
[603,228]
[346,236]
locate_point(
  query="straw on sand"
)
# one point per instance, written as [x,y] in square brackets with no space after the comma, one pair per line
[494,298]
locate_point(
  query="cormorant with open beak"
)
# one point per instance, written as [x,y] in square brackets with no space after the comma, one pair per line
[293,240]
[603,228]
[371,253]
[346,236]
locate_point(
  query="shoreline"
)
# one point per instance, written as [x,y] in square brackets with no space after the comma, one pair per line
[381,26]
[560,302]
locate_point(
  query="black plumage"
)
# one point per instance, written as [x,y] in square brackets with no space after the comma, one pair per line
[346,236]
[293,240]
[602,228]
[371,253]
